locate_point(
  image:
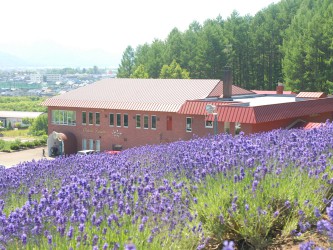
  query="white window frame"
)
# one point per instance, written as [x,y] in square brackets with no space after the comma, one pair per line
[98,145]
[111,114]
[99,119]
[209,124]
[136,121]
[189,124]
[146,122]
[84,144]
[91,144]
[84,123]
[226,127]
[92,117]
[63,117]
[125,115]
[118,115]
[153,117]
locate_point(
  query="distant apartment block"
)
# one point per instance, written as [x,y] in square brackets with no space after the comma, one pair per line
[53,77]
[36,77]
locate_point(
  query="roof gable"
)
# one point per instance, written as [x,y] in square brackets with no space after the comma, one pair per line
[311,95]
[218,91]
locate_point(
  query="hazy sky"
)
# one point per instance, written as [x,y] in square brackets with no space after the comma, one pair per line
[107,24]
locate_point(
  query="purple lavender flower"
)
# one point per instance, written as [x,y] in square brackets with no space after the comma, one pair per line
[276,214]
[130,247]
[95,240]
[49,239]
[70,232]
[24,239]
[254,185]
[307,245]
[228,245]
[317,212]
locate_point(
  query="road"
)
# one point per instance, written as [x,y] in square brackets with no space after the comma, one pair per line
[11,159]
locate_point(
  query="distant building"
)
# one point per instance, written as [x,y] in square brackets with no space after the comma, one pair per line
[13,117]
[53,77]
[36,77]
[114,114]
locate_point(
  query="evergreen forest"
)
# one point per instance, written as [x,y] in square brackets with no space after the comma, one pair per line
[289,42]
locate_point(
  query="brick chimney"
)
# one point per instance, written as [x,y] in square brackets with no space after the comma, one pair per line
[279,89]
[227,83]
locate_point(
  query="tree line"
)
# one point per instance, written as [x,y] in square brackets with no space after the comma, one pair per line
[289,42]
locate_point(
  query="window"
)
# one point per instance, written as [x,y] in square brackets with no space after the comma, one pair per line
[71,117]
[145,122]
[208,124]
[153,122]
[98,145]
[84,117]
[169,122]
[237,128]
[63,117]
[91,118]
[126,120]
[84,144]
[97,118]
[91,144]
[227,127]
[188,124]
[118,120]
[138,121]
[111,116]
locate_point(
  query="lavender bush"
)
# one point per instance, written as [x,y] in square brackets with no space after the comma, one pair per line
[199,194]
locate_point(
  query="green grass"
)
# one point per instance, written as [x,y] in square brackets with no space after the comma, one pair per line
[253,220]
[17,133]
[16,138]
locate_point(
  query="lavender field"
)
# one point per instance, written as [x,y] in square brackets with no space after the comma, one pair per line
[223,192]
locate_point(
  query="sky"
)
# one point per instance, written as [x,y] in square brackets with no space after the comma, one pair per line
[106,24]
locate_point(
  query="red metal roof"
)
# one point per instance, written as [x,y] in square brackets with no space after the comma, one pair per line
[311,95]
[311,125]
[274,112]
[198,107]
[307,125]
[260,114]
[136,94]
[235,90]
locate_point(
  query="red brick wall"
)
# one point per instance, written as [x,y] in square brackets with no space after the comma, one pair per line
[131,136]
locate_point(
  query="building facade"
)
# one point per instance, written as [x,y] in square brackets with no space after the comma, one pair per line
[116,114]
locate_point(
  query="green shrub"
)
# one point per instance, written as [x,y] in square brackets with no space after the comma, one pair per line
[30,144]
[43,140]
[14,146]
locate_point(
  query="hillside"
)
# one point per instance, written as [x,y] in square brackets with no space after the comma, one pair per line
[11,61]
[245,192]
[49,54]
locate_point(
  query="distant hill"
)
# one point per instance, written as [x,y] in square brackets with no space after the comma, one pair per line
[45,54]
[11,61]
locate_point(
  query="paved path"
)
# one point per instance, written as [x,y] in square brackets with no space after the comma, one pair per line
[11,159]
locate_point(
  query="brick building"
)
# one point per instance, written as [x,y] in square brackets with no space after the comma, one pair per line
[114,114]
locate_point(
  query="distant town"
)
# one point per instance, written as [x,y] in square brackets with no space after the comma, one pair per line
[49,82]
